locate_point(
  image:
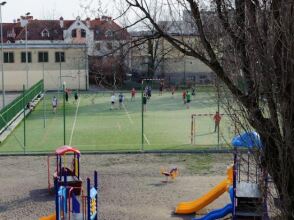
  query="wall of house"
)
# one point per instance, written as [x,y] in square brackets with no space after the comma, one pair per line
[184,64]
[176,69]
[172,63]
[73,71]
[89,39]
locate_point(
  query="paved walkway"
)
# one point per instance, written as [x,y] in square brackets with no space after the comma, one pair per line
[9,97]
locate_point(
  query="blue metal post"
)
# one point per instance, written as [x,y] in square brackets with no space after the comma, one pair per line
[96,187]
[56,199]
[88,200]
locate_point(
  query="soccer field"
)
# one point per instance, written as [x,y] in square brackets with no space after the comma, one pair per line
[92,126]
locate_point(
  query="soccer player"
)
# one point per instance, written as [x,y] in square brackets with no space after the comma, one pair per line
[217,118]
[184,96]
[160,88]
[173,91]
[76,96]
[144,103]
[188,97]
[66,95]
[146,91]
[112,99]
[31,106]
[54,104]
[120,100]
[133,94]
[193,91]
[149,91]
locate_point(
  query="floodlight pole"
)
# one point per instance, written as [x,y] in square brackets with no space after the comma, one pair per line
[60,80]
[2,56]
[26,36]
[142,106]
[63,86]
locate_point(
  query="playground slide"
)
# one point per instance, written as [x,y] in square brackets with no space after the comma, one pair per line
[196,205]
[49,217]
[218,213]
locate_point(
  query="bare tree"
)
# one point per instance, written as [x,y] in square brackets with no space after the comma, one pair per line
[249,41]
[108,71]
[150,51]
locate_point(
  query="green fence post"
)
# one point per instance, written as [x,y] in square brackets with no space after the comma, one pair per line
[24,119]
[44,112]
[63,86]
[142,106]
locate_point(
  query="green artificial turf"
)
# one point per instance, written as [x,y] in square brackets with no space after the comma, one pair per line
[167,124]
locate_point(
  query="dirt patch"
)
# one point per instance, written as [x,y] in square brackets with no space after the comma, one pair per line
[131,186]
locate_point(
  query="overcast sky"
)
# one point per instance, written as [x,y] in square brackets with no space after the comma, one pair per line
[47,9]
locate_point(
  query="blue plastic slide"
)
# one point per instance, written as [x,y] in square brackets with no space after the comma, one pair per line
[218,213]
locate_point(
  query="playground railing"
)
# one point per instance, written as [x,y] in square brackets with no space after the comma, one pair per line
[17,105]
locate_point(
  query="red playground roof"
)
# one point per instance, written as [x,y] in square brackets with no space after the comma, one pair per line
[66,149]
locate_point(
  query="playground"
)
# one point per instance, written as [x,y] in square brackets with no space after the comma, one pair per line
[131,186]
[161,183]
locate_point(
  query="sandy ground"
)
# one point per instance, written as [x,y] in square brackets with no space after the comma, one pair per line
[131,186]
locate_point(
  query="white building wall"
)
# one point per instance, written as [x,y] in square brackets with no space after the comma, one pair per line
[74,79]
[73,71]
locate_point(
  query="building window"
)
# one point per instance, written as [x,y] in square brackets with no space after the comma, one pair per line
[23,57]
[83,33]
[108,33]
[74,33]
[45,33]
[43,57]
[8,57]
[59,57]
[109,45]
[98,46]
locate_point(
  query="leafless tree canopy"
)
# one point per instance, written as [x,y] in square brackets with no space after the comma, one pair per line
[247,41]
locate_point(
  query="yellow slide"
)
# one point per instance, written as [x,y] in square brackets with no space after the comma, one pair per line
[49,217]
[217,191]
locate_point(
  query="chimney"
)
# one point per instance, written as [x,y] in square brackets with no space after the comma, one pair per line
[88,23]
[61,22]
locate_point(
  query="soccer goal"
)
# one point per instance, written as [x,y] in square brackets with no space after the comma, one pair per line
[203,129]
